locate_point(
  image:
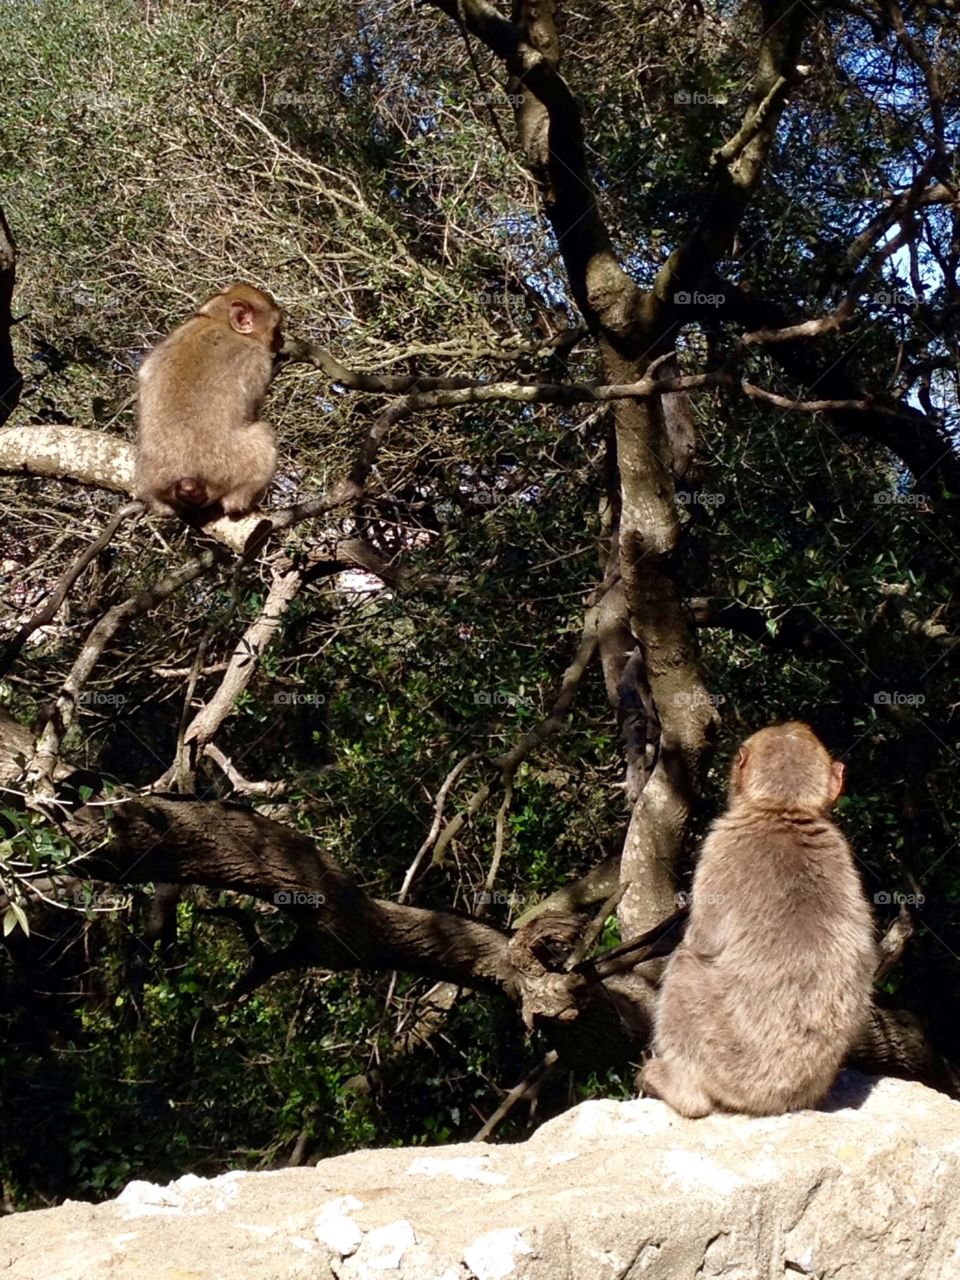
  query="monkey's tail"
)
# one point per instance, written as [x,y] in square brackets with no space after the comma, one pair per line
[192,492]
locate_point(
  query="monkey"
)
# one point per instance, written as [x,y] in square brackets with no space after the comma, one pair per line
[771,985]
[201,446]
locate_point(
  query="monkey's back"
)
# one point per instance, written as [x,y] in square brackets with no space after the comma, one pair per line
[771,985]
[195,387]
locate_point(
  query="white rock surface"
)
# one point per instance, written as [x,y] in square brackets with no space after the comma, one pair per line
[866,1189]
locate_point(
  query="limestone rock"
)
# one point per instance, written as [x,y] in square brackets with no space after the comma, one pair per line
[862,1189]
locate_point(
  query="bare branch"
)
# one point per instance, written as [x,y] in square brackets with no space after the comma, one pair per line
[240,784]
[49,610]
[247,653]
[439,803]
[526,1090]
[62,713]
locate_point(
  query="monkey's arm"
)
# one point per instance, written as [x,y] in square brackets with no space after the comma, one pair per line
[711,925]
[707,934]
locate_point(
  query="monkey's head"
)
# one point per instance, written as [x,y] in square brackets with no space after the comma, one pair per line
[786,766]
[249,311]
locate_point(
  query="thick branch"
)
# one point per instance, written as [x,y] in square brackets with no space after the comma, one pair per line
[229,847]
[69,453]
[551,135]
[11,380]
[794,628]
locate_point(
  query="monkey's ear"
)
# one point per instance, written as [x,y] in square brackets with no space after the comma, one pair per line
[838,775]
[241,317]
[736,773]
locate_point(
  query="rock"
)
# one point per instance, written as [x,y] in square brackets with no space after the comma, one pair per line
[863,1189]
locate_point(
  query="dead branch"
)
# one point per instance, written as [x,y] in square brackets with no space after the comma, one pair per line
[243,662]
[240,784]
[185,841]
[439,803]
[49,610]
[528,1087]
[62,713]
[894,943]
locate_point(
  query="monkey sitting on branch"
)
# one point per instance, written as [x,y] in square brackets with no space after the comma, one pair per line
[201,447]
[770,987]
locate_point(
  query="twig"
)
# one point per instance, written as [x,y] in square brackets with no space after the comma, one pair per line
[439,803]
[239,783]
[751,126]
[182,774]
[501,823]
[596,925]
[61,716]
[528,1087]
[894,943]
[660,940]
[243,662]
[49,610]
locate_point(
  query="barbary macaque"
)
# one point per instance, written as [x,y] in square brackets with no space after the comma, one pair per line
[771,984]
[202,448]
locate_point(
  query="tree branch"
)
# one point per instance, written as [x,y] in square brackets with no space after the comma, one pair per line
[62,713]
[11,380]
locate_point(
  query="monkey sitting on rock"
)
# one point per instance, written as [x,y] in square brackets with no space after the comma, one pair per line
[201,447]
[770,987]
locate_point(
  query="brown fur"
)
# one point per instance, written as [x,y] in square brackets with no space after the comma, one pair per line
[771,985]
[201,446]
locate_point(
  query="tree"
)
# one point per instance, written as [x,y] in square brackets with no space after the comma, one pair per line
[666,365]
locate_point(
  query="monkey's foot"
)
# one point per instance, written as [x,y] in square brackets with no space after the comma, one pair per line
[238,504]
[678,1084]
